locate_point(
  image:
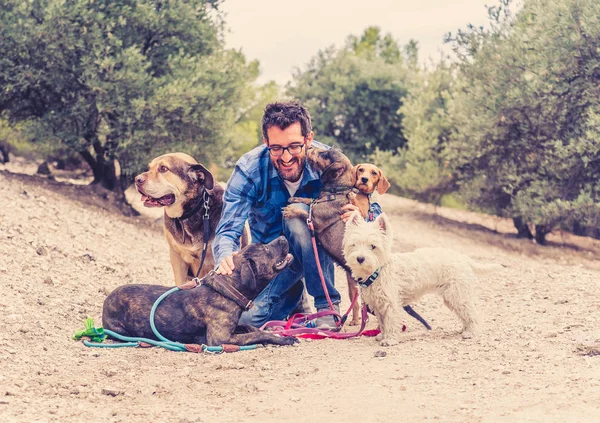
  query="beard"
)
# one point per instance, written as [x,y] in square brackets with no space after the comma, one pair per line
[292,174]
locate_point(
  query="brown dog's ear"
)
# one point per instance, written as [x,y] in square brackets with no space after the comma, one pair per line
[354,171]
[248,276]
[202,174]
[383,185]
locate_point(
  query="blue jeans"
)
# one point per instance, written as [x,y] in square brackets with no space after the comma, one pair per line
[282,294]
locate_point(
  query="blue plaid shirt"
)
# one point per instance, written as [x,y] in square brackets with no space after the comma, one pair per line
[256,192]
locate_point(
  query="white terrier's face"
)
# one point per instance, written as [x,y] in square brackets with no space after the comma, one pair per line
[367,245]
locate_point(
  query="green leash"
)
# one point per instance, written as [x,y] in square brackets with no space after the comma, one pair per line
[97,336]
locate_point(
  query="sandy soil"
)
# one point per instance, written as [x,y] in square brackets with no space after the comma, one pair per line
[61,255]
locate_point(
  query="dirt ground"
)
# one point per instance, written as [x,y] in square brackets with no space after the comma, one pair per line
[61,255]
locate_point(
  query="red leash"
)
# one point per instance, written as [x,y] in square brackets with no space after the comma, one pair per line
[297,324]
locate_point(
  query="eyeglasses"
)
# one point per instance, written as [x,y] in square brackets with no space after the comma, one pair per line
[278,150]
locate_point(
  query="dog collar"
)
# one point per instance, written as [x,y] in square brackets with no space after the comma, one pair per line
[337,190]
[202,203]
[370,279]
[220,285]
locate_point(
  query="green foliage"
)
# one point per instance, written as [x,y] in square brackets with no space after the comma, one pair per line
[421,169]
[246,133]
[123,80]
[525,114]
[355,93]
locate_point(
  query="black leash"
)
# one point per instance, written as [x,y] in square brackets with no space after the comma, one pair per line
[205,231]
[204,203]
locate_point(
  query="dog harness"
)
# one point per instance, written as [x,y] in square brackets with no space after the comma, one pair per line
[222,288]
[370,212]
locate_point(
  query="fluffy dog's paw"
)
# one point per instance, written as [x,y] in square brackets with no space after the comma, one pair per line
[388,342]
[379,337]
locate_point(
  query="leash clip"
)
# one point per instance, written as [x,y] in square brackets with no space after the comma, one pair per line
[206,205]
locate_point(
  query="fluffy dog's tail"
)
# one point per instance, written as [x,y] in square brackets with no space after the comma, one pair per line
[485,268]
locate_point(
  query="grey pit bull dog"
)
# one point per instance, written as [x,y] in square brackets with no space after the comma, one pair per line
[207,314]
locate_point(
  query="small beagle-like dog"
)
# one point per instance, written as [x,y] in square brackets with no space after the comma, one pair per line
[369,179]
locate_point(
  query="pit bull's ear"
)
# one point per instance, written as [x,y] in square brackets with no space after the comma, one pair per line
[200,173]
[383,185]
[383,223]
[355,219]
[248,277]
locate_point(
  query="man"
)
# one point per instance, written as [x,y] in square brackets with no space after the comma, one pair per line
[261,183]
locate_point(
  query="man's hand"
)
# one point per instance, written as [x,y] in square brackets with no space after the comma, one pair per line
[226,266]
[348,210]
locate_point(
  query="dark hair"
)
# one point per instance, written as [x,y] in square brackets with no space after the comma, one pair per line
[284,114]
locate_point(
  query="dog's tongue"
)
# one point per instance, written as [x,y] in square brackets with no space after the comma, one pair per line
[150,202]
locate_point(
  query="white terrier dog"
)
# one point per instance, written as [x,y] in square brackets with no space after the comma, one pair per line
[390,281]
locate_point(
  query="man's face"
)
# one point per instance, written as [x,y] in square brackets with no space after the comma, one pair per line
[289,166]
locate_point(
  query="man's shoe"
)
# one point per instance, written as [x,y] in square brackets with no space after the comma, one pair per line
[327,322]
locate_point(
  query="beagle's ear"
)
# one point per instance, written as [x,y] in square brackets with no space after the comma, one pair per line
[200,173]
[383,185]
[354,173]
[247,275]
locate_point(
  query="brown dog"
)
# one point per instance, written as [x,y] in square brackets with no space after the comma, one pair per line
[207,314]
[191,199]
[337,183]
[338,180]
[368,179]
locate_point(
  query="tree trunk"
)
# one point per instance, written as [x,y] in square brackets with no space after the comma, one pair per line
[4,153]
[540,234]
[104,171]
[94,165]
[522,228]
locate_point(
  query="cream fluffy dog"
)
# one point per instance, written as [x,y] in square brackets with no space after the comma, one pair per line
[404,278]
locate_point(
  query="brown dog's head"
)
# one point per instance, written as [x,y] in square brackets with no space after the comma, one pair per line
[368,178]
[171,181]
[258,264]
[336,168]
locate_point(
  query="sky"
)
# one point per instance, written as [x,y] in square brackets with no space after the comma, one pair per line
[285,34]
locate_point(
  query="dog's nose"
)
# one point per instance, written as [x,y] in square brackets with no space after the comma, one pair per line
[139,180]
[364,180]
[360,259]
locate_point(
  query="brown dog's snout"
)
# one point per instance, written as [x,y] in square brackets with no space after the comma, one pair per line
[282,243]
[364,179]
[139,180]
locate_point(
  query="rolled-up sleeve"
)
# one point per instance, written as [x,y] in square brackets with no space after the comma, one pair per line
[237,201]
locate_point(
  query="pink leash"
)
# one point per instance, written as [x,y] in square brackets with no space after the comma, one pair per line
[296,325]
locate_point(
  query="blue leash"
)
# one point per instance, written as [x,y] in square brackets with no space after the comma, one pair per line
[164,342]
